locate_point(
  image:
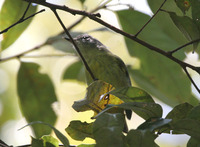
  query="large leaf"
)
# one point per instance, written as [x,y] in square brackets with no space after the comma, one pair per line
[157,75]
[144,110]
[10,13]
[184,5]
[107,130]
[140,138]
[196,11]
[187,26]
[36,95]
[79,130]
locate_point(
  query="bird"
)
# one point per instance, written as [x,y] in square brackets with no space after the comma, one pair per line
[103,64]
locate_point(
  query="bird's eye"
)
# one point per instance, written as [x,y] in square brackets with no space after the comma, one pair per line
[106,97]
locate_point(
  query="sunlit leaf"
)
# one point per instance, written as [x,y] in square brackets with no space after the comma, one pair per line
[187,26]
[86,145]
[79,130]
[36,96]
[140,138]
[47,139]
[153,124]
[172,88]
[94,101]
[11,12]
[75,71]
[58,134]
[107,130]
[184,5]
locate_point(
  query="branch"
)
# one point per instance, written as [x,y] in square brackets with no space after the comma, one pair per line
[22,19]
[189,43]
[150,18]
[76,47]
[130,36]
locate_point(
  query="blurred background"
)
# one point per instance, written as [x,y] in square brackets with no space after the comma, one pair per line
[42,27]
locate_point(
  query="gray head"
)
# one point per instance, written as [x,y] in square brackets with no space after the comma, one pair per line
[86,41]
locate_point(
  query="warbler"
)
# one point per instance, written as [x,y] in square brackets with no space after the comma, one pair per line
[103,64]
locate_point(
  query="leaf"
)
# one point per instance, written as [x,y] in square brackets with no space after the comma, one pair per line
[194,113]
[140,138]
[86,145]
[131,94]
[107,130]
[193,142]
[79,131]
[188,126]
[75,71]
[58,134]
[36,94]
[153,124]
[187,26]
[36,142]
[10,13]
[171,88]
[144,110]
[94,101]
[196,11]
[184,5]
[47,139]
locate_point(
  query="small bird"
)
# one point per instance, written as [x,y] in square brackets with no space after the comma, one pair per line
[103,64]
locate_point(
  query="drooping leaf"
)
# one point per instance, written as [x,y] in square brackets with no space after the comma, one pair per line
[153,124]
[141,138]
[187,26]
[75,71]
[94,101]
[171,88]
[184,5]
[47,139]
[58,134]
[131,94]
[79,130]
[144,110]
[36,95]
[107,130]
[11,12]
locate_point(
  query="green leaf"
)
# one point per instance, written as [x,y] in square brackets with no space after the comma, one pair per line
[36,142]
[75,71]
[153,124]
[184,5]
[194,113]
[193,142]
[187,26]
[58,134]
[196,11]
[47,139]
[179,112]
[171,88]
[36,94]
[107,130]
[144,110]
[79,130]
[140,138]
[10,13]
[131,94]
[188,126]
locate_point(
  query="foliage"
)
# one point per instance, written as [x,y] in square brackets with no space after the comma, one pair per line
[156,76]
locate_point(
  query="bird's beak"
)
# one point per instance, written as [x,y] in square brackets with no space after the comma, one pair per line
[66,38]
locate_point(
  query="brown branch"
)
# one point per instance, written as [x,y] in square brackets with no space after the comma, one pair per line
[22,19]
[150,18]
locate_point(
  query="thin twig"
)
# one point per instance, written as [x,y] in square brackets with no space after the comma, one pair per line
[22,19]
[76,47]
[189,43]
[150,18]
